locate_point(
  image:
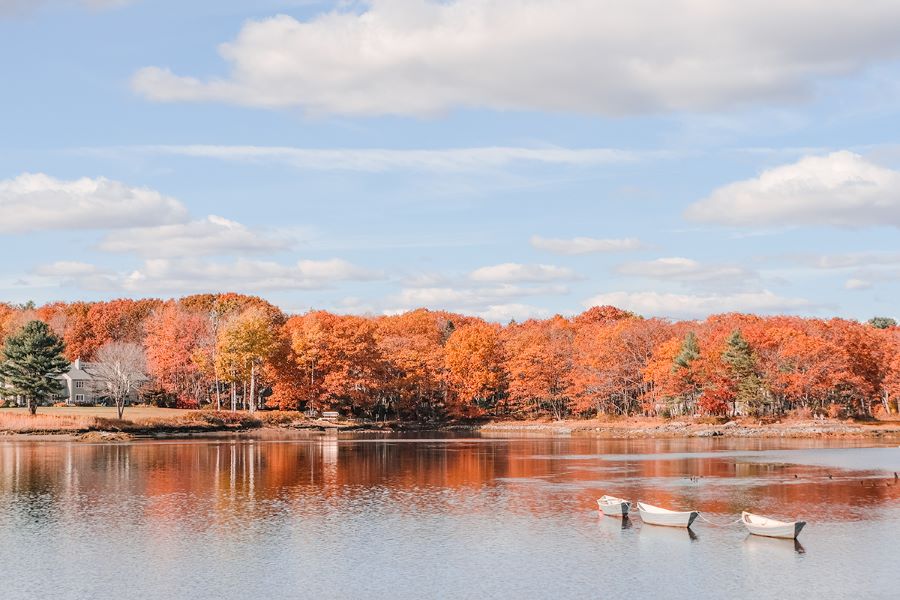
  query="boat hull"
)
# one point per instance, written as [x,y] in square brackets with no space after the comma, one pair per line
[666,518]
[771,528]
[614,507]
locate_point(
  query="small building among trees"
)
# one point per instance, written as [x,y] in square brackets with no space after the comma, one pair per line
[86,384]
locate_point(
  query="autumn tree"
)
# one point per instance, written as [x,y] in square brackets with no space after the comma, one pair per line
[32,363]
[603,315]
[414,375]
[891,384]
[862,349]
[244,344]
[475,368]
[539,363]
[610,358]
[431,364]
[89,325]
[174,336]
[78,333]
[308,342]
[7,319]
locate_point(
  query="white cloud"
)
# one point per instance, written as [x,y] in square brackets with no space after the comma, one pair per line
[167,276]
[494,303]
[423,57]
[857,284]
[210,236]
[38,202]
[503,313]
[80,274]
[686,270]
[865,279]
[427,280]
[851,260]
[177,276]
[515,273]
[66,268]
[584,245]
[377,160]
[700,305]
[841,189]
[457,297]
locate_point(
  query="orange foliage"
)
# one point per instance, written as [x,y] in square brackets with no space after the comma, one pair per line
[610,360]
[415,373]
[174,336]
[539,362]
[329,361]
[475,369]
[432,364]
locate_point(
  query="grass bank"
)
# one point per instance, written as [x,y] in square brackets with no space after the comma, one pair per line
[100,423]
[140,421]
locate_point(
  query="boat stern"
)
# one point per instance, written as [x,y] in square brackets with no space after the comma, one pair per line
[692,518]
[798,527]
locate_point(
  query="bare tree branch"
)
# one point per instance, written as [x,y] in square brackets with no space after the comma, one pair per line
[120,367]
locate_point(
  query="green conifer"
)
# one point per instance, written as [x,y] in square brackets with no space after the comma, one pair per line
[32,362]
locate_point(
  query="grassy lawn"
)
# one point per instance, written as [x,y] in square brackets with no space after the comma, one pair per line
[109,412]
[141,419]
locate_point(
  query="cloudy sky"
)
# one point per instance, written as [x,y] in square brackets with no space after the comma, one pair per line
[506,158]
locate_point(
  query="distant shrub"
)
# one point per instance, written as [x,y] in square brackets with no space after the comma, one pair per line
[711,420]
[111,424]
[182,402]
[159,398]
[801,413]
[836,411]
[280,417]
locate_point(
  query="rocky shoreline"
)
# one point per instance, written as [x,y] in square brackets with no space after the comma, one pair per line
[685,429]
[626,428]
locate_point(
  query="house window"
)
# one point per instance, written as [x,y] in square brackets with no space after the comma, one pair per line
[79,384]
[79,398]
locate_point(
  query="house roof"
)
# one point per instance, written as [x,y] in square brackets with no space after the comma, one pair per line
[87,371]
[91,368]
[77,374]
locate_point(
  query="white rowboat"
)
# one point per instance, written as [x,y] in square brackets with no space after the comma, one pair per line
[614,507]
[654,515]
[764,526]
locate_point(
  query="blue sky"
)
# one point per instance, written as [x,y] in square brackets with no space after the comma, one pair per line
[506,158]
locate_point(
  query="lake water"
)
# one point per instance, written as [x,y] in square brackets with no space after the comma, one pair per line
[441,517]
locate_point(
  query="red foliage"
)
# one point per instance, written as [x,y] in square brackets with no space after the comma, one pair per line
[432,363]
[539,363]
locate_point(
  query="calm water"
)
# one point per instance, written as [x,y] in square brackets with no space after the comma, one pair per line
[374,517]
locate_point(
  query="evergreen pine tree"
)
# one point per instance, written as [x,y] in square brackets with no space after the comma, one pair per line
[32,360]
[690,351]
[882,322]
[739,358]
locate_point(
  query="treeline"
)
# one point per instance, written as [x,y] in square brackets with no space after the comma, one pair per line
[231,351]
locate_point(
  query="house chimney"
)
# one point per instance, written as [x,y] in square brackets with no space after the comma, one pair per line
[77,363]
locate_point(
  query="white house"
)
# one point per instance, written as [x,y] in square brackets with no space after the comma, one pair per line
[83,386]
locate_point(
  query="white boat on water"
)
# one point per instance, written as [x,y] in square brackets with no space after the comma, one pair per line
[654,515]
[767,527]
[614,507]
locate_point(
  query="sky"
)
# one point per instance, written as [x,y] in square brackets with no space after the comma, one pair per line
[502,158]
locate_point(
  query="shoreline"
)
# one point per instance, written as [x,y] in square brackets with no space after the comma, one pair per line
[635,427]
